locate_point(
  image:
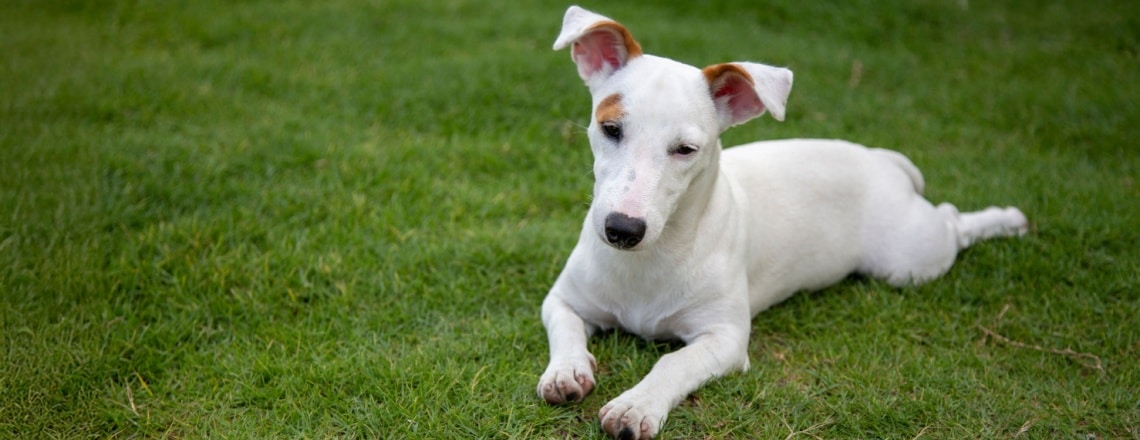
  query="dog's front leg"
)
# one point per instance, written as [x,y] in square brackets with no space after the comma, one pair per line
[570,375]
[639,412]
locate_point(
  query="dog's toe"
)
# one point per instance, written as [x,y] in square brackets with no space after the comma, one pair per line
[565,391]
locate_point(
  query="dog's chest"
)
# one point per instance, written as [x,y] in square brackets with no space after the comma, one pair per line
[648,306]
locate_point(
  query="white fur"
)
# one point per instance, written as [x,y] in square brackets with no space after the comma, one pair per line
[727,235]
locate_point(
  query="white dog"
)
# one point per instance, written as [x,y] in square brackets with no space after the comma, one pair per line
[684,241]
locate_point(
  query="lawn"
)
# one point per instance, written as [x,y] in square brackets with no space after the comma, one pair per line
[279,219]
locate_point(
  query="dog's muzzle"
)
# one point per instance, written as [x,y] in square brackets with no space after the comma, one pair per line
[623,231]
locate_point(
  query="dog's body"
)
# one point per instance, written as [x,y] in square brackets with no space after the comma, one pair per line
[684,241]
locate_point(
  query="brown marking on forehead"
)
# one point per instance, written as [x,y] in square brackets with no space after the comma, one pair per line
[609,109]
[632,49]
[717,72]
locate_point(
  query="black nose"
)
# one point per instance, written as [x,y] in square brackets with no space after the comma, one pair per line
[623,231]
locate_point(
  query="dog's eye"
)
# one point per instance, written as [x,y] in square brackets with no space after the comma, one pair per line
[684,150]
[612,130]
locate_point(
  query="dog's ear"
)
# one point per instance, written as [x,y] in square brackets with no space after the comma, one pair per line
[601,46]
[742,91]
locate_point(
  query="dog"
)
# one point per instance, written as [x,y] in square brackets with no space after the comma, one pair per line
[686,241]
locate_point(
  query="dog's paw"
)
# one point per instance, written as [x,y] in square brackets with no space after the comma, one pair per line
[1018,224]
[628,418]
[568,381]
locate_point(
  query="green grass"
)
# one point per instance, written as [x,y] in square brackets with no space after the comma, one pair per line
[267,219]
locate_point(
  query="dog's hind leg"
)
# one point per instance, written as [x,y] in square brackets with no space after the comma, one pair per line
[907,240]
[972,227]
[923,241]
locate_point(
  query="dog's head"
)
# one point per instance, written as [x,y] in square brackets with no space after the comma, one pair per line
[656,123]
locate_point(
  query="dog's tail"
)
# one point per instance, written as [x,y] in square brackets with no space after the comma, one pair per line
[907,166]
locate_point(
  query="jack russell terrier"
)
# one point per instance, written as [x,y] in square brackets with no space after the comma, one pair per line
[684,241]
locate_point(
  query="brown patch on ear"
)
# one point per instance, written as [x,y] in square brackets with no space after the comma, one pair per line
[609,109]
[632,49]
[715,75]
[733,91]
